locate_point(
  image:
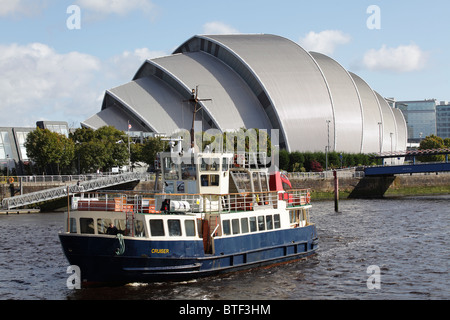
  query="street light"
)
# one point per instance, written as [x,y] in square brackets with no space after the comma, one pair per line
[392,151]
[379,136]
[327,148]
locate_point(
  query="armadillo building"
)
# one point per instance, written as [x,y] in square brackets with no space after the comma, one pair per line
[256,81]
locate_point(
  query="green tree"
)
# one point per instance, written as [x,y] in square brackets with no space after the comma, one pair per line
[50,151]
[284,160]
[447,142]
[103,148]
[296,161]
[431,142]
[150,148]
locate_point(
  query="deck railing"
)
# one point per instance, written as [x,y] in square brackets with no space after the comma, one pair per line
[194,203]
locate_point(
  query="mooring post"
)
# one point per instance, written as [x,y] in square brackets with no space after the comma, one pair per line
[336,191]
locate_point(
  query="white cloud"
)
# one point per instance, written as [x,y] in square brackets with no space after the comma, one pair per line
[20,7]
[120,7]
[124,66]
[39,83]
[217,27]
[405,58]
[324,42]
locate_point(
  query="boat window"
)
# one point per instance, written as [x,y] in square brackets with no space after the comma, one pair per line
[73,225]
[276,221]
[188,171]
[87,225]
[157,228]
[244,225]
[170,169]
[174,228]
[269,222]
[253,224]
[225,164]
[235,225]
[139,230]
[292,214]
[189,225]
[264,182]
[226,227]
[102,225]
[211,180]
[210,164]
[199,228]
[120,225]
[261,225]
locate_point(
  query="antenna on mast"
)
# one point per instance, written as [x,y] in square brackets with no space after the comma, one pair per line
[194,99]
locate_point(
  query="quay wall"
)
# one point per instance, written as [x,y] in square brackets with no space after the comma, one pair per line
[377,187]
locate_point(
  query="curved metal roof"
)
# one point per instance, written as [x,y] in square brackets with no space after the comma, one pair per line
[390,132]
[257,81]
[285,78]
[402,130]
[233,105]
[372,133]
[346,103]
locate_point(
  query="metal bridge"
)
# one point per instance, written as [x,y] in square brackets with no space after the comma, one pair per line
[410,168]
[64,191]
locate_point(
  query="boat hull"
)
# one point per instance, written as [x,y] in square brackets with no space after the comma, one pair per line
[146,260]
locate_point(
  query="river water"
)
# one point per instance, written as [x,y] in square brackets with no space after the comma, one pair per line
[407,240]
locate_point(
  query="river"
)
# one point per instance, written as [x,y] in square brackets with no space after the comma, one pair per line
[405,241]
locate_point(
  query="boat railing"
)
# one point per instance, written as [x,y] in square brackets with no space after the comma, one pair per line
[189,203]
[296,198]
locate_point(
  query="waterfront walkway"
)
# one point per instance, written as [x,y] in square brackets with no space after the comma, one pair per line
[72,188]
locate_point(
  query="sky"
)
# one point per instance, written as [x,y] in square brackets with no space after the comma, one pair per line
[58,57]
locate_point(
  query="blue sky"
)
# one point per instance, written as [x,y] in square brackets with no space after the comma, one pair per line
[51,72]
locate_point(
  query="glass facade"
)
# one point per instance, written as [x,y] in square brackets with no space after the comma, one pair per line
[14,159]
[5,146]
[21,138]
[420,117]
[443,120]
[7,163]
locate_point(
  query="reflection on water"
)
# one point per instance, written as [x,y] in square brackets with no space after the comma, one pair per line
[408,239]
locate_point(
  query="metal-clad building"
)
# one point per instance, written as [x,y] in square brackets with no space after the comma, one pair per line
[256,81]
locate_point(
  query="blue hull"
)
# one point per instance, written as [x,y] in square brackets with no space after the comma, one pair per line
[156,261]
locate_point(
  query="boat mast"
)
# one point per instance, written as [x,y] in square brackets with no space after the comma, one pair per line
[194,99]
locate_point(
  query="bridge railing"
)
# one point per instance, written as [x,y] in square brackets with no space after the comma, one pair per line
[66,179]
[63,191]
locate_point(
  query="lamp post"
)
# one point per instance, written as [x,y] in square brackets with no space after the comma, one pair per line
[379,136]
[327,148]
[392,151]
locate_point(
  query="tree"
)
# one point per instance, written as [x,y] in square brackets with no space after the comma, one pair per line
[431,142]
[284,160]
[447,142]
[49,150]
[316,166]
[103,148]
[151,147]
[296,161]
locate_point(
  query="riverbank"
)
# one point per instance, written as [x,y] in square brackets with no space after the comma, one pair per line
[378,187]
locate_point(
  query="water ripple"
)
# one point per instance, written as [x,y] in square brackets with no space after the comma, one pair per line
[408,239]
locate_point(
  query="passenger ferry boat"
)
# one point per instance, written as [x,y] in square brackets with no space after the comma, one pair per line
[214,217]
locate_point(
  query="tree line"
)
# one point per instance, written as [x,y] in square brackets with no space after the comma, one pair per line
[87,150]
[317,161]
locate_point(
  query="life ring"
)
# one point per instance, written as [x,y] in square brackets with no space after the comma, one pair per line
[11,180]
[308,198]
